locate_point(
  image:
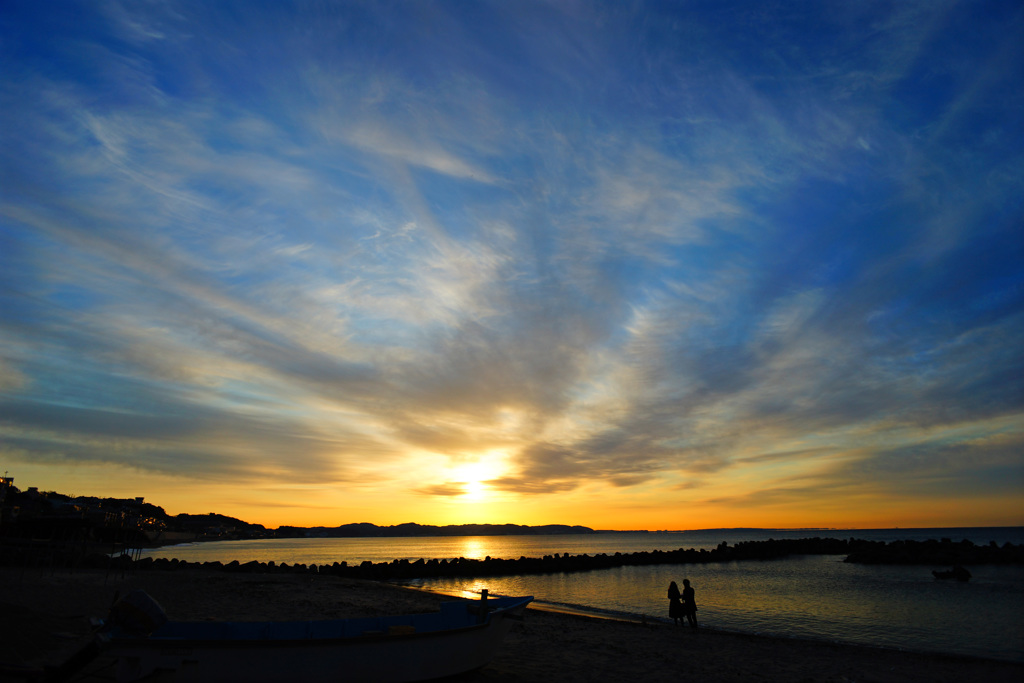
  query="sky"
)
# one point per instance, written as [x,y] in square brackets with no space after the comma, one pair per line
[629,265]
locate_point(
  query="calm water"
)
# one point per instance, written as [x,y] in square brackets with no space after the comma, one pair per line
[804,597]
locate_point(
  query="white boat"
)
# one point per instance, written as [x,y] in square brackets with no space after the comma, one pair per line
[462,637]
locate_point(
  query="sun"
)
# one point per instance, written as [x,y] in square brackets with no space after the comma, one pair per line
[475,490]
[474,476]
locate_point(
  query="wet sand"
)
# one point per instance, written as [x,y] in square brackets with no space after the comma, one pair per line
[44,618]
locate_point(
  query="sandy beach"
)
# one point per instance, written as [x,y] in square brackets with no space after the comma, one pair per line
[45,618]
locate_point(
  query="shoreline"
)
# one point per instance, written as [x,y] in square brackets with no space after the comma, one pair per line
[46,617]
[554,608]
[596,614]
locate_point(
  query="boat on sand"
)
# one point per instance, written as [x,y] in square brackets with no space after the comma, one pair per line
[464,635]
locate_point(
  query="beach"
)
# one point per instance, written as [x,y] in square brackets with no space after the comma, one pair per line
[45,619]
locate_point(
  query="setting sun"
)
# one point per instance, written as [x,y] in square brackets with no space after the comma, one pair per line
[475,490]
[474,476]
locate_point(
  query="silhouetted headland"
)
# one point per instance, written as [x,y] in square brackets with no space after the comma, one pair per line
[134,523]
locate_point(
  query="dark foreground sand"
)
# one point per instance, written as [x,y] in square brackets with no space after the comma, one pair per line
[44,618]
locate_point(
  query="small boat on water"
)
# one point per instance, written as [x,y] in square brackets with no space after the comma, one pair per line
[463,636]
[957,572]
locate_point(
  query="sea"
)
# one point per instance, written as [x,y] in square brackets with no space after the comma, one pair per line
[816,597]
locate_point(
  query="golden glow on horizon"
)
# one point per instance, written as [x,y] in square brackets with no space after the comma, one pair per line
[662,506]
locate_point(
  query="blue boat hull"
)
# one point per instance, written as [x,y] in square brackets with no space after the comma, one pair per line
[463,636]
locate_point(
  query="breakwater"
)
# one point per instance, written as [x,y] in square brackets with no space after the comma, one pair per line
[938,552]
[933,552]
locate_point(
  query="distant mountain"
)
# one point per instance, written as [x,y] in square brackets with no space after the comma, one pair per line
[38,513]
[367,530]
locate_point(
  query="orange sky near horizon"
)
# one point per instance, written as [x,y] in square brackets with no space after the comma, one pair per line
[592,507]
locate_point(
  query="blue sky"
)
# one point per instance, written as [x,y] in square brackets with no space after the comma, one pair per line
[624,264]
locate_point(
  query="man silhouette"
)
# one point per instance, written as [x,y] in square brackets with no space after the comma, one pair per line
[689,604]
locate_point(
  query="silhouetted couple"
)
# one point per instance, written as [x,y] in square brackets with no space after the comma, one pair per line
[682,605]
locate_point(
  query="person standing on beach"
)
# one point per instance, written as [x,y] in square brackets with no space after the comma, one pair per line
[689,603]
[675,608]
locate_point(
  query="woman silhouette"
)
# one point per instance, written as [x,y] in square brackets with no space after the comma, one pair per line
[675,608]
